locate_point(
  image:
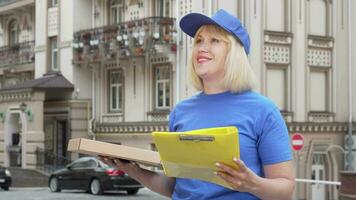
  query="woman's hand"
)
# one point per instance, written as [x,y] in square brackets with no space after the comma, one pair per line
[156,182]
[240,178]
[126,166]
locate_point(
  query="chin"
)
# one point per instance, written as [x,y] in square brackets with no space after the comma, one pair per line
[202,75]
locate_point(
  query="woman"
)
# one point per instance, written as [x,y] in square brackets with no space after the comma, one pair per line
[219,68]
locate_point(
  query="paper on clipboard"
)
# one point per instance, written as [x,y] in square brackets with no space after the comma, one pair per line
[193,154]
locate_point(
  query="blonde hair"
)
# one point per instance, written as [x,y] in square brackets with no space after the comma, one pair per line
[239,75]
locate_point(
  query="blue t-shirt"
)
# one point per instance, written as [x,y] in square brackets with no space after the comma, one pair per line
[262,131]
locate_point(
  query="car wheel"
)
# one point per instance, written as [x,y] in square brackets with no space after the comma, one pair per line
[132,191]
[5,188]
[54,185]
[95,187]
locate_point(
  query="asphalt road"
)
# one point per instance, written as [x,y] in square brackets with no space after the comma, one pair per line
[43,193]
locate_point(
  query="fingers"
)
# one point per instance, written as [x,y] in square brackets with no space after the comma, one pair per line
[240,165]
[232,181]
[239,169]
[236,176]
[107,160]
[227,169]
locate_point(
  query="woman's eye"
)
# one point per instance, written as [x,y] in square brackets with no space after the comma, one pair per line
[197,41]
[215,40]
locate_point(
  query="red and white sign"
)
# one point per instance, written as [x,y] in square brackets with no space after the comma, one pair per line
[297,142]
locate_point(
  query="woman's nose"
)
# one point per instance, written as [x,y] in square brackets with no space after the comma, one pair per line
[203,46]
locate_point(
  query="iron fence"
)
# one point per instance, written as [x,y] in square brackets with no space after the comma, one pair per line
[48,161]
[21,53]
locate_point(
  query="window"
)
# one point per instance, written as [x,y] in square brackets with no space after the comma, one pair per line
[162,8]
[52,3]
[276,15]
[14,33]
[162,84]
[54,53]
[79,165]
[116,91]
[91,164]
[319,17]
[117,11]
[277,85]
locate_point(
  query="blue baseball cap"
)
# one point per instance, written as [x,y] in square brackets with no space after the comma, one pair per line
[190,24]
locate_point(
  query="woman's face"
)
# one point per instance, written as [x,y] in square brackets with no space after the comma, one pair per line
[209,54]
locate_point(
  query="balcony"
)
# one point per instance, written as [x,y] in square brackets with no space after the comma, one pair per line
[5,2]
[7,6]
[134,38]
[18,54]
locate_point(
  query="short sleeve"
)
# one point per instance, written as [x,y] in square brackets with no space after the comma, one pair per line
[171,121]
[273,144]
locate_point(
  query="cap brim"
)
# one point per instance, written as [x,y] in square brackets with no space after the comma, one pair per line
[192,22]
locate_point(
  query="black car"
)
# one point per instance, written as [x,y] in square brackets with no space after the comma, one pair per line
[5,178]
[92,175]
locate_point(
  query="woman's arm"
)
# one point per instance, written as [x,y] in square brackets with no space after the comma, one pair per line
[278,183]
[155,181]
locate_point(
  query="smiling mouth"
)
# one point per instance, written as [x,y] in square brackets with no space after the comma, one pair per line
[203,60]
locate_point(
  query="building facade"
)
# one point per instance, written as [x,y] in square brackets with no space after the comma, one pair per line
[112,70]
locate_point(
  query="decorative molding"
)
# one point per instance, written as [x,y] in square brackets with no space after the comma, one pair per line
[319,57]
[276,54]
[320,42]
[65,44]
[278,37]
[288,116]
[112,118]
[277,47]
[160,59]
[321,116]
[15,96]
[40,48]
[148,127]
[312,127]
[158,115]
[131,127]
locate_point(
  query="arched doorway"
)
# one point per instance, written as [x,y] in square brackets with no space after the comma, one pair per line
[321,165]
[14,32]
[318,173]
[15,138]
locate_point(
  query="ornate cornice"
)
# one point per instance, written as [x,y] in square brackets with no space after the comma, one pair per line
[274,37]
[8,96]
[320,42]
[130,127]
[312,127]
[148,127]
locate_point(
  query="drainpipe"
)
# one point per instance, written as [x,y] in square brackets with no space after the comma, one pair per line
[93,102]
[177,54]
[210,7]
[349,141]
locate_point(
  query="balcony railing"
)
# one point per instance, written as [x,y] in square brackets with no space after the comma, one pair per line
[5,2]
[48,162]
[133,38]
[21,53]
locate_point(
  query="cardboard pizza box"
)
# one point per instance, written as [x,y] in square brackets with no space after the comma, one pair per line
[95,148]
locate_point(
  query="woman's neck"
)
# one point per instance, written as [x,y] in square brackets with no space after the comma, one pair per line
[214,88]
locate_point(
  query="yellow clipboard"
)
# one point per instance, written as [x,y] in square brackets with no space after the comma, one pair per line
[193,154]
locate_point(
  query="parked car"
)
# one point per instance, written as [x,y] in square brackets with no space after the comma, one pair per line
[92,175]
[5,178]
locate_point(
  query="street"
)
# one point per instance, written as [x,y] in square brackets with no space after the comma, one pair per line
[43,193]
